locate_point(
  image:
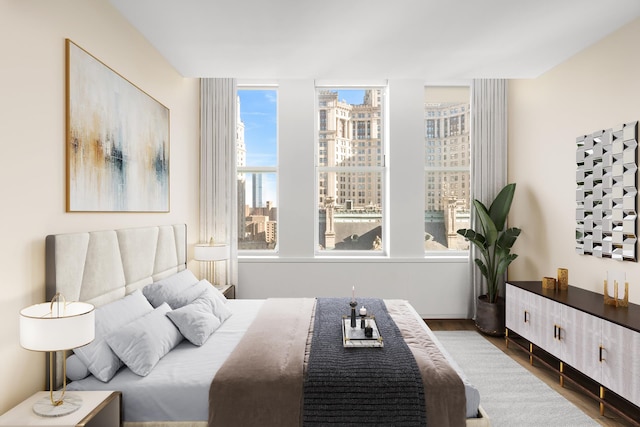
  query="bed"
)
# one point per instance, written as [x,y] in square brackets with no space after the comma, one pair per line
[175,387]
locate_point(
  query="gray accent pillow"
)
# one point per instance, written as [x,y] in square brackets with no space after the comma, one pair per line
[76,370]
[166,289]
[97,356]
[195,320]
[142,343]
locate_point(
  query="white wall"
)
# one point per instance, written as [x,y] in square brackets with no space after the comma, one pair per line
[32,164]
[437,288]
[596,89]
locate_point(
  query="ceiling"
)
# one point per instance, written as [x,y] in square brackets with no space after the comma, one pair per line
[432,40]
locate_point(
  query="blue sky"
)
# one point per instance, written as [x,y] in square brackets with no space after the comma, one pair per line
[352,96]
[258,111]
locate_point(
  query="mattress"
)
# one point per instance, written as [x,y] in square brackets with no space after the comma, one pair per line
[177,389]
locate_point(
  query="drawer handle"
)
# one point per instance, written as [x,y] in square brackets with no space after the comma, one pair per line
[526,316]
[600,358]
[557,332]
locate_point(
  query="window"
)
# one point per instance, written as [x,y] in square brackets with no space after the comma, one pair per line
[447,198]
[257,167]
[350,212]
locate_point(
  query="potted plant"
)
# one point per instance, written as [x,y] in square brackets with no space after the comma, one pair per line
[494,244]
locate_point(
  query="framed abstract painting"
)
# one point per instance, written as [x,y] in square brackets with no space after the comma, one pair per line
[117,141]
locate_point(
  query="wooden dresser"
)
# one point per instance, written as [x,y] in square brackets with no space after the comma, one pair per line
[593,345]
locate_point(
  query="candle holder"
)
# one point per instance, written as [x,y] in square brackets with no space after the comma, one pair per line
[615,301]
[363,314]
[368,330]
[549,283]
[563,279]
[353,305]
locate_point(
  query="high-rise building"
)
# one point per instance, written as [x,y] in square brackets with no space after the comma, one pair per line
[256,187]
[350,135]
[447,185]
[447,155]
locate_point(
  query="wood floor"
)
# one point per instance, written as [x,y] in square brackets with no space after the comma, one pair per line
[588,405]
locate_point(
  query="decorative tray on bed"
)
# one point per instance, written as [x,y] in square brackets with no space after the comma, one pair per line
[355,337]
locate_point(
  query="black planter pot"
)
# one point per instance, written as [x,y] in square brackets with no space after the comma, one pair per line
[490,316]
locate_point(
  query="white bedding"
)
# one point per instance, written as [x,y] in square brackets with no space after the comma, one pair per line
[177,389]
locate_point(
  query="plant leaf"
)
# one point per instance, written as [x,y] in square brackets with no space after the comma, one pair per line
[499,209]
[504,263]
[481,266]
[475,238]
[489,228]
[508,238]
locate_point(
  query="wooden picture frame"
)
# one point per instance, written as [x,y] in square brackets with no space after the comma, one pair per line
[117,141]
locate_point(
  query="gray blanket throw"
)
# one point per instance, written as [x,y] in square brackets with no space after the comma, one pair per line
[360,386]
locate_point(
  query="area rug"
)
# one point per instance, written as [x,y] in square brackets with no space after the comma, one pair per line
[510,394]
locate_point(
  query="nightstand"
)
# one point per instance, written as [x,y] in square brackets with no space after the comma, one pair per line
[99,409]
[229,291]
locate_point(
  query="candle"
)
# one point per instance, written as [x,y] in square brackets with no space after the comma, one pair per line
[353,293]
[363,311]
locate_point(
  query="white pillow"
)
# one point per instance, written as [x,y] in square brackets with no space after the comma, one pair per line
[218,294]
[165,289]
[195,320]
[188,295]
[142,343]
[76,370]
[220,309]
[97,355]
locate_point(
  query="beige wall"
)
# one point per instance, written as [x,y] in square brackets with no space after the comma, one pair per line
[596,89]
[32,159]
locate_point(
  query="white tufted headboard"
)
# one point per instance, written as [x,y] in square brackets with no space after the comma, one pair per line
[101,266]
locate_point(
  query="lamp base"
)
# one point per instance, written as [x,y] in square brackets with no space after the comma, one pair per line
[45,408]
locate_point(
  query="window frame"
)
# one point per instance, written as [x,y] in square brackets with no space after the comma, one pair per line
[264,170]
[382,169]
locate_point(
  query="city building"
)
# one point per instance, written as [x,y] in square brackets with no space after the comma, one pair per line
[447,197]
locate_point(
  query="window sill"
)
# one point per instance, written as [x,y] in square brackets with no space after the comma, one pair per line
[429,258]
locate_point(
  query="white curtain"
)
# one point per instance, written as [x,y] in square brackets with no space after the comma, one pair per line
[218,181]
[488,155]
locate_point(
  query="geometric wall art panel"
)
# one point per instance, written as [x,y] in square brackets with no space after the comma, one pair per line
[606,193]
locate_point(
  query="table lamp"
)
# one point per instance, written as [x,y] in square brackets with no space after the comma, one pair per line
[57,326]
[210,253]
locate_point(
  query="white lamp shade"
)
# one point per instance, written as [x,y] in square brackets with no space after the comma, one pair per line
[57,326]
[211,252]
